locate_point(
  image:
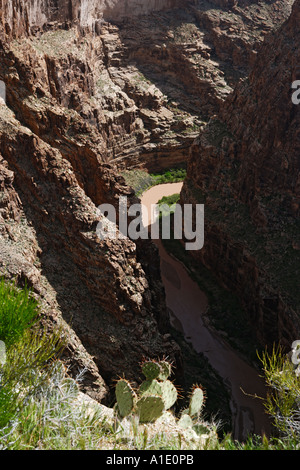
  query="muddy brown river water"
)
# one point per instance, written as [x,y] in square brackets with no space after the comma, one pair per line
[187,304]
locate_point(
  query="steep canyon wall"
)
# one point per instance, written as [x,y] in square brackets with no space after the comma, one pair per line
[145,85]
[245,167]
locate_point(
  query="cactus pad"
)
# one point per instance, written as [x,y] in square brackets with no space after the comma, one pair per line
[169,393]
[125,396]
[196,401]
[165,370]
[150,408]
[156,395]
[151,387]
[151,370]
[185,421]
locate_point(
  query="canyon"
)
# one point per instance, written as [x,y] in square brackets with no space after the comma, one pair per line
[94,88]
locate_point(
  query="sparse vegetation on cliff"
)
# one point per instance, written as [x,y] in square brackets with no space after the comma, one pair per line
[283,403]
[141,180]
[18,311]
[29,350]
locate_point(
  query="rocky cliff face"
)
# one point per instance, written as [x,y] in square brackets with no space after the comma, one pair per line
[106,294]
[147,85]
[25,16]
[245,167]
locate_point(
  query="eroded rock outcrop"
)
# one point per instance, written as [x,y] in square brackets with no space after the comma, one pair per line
[245,167]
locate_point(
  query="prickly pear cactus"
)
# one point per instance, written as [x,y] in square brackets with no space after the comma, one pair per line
[196,401]
[165,370]
[185,421]
[149,408]
[151,370]
[151,387]
[169,394]
[156,395]
[157,382]
[126,397]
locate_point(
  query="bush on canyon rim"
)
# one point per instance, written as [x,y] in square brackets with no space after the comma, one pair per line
[283,401]
[18,311]
[26,350]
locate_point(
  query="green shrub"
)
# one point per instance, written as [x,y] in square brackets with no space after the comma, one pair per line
[141,180]
[18,311]
[283,401]
[52,418]
[174,175]
[169,200]
[29,350]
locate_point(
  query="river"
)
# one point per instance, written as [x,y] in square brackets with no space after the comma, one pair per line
[187,304]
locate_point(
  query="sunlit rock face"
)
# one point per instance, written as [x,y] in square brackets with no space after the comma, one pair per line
[22,15]
[116,9]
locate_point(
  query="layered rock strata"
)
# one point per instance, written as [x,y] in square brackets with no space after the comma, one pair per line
[147,85]
[48,239]
[30,15]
